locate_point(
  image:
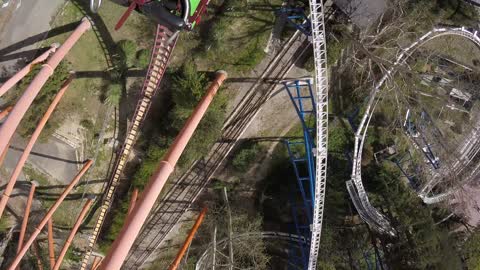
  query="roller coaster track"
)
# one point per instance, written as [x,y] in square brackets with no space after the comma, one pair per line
[202,264]
[158,63]
[186,188]
[321,95]
[355,186]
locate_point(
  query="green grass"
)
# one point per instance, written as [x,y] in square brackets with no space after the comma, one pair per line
[5,223]
[457,48]
[232,37]
[35,175]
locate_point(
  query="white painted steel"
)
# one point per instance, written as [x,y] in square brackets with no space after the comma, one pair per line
[321,95]
[369,213]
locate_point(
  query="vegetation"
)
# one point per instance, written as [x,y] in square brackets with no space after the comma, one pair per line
[114,94]
[143,58]
[245,157]
[235,37]
[87,123]
[190,86]
[471,251]
[41,102]
[5,224]
[128,50]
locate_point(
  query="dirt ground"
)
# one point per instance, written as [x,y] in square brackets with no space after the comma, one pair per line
[468,199]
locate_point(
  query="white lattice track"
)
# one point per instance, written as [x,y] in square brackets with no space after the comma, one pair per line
[321,93]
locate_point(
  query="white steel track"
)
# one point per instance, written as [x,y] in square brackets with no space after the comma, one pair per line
[370,214]
[321,95]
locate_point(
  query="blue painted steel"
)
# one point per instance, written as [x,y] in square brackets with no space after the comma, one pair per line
[298,18]
[373,259]
[301,156]
[424,145]
[351,118]
[406,161]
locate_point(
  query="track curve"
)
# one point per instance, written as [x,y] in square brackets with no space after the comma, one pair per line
[355,186]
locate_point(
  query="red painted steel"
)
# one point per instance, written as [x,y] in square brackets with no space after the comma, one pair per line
[161,53]
[24,71]
[23,228]
[5,112]
[125,15]
[188,241]
[16,115]
[31,142]
[69,240]
[51,244]
[49,215]
[124,241]
[133,200]
[96,262]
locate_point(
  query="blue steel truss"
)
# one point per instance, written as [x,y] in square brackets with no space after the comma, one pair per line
[373,260]
[423,144]
[301,156]
[296,16]
[406,164]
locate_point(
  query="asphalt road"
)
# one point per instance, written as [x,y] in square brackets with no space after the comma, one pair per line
[23,19]
[19,22]
[53,158]
[362,12]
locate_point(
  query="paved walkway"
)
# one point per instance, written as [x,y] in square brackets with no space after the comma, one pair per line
[362,12]
[53,158]
[20,20]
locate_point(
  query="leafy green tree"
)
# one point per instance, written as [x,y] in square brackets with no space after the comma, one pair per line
[471,251]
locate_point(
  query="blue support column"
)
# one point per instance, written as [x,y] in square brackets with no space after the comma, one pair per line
[297,18]
[301,156]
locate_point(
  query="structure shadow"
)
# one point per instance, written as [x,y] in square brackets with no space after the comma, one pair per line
[48,156]
[25,186]
[35,38]
[106,74]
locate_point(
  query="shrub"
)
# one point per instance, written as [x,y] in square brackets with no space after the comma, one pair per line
[87,123]
[309,64]
[143,58]
[114,94]
[42,101]
[128,50]
[246,157]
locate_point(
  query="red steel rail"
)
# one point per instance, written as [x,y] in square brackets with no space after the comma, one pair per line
[131,228]
[25,70]
[161,52]
[49,215]
[26,152]
[25,101]
[70,237]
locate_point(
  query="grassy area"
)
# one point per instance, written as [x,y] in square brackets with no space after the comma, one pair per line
[456,48]
[84,101]
[232,37]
